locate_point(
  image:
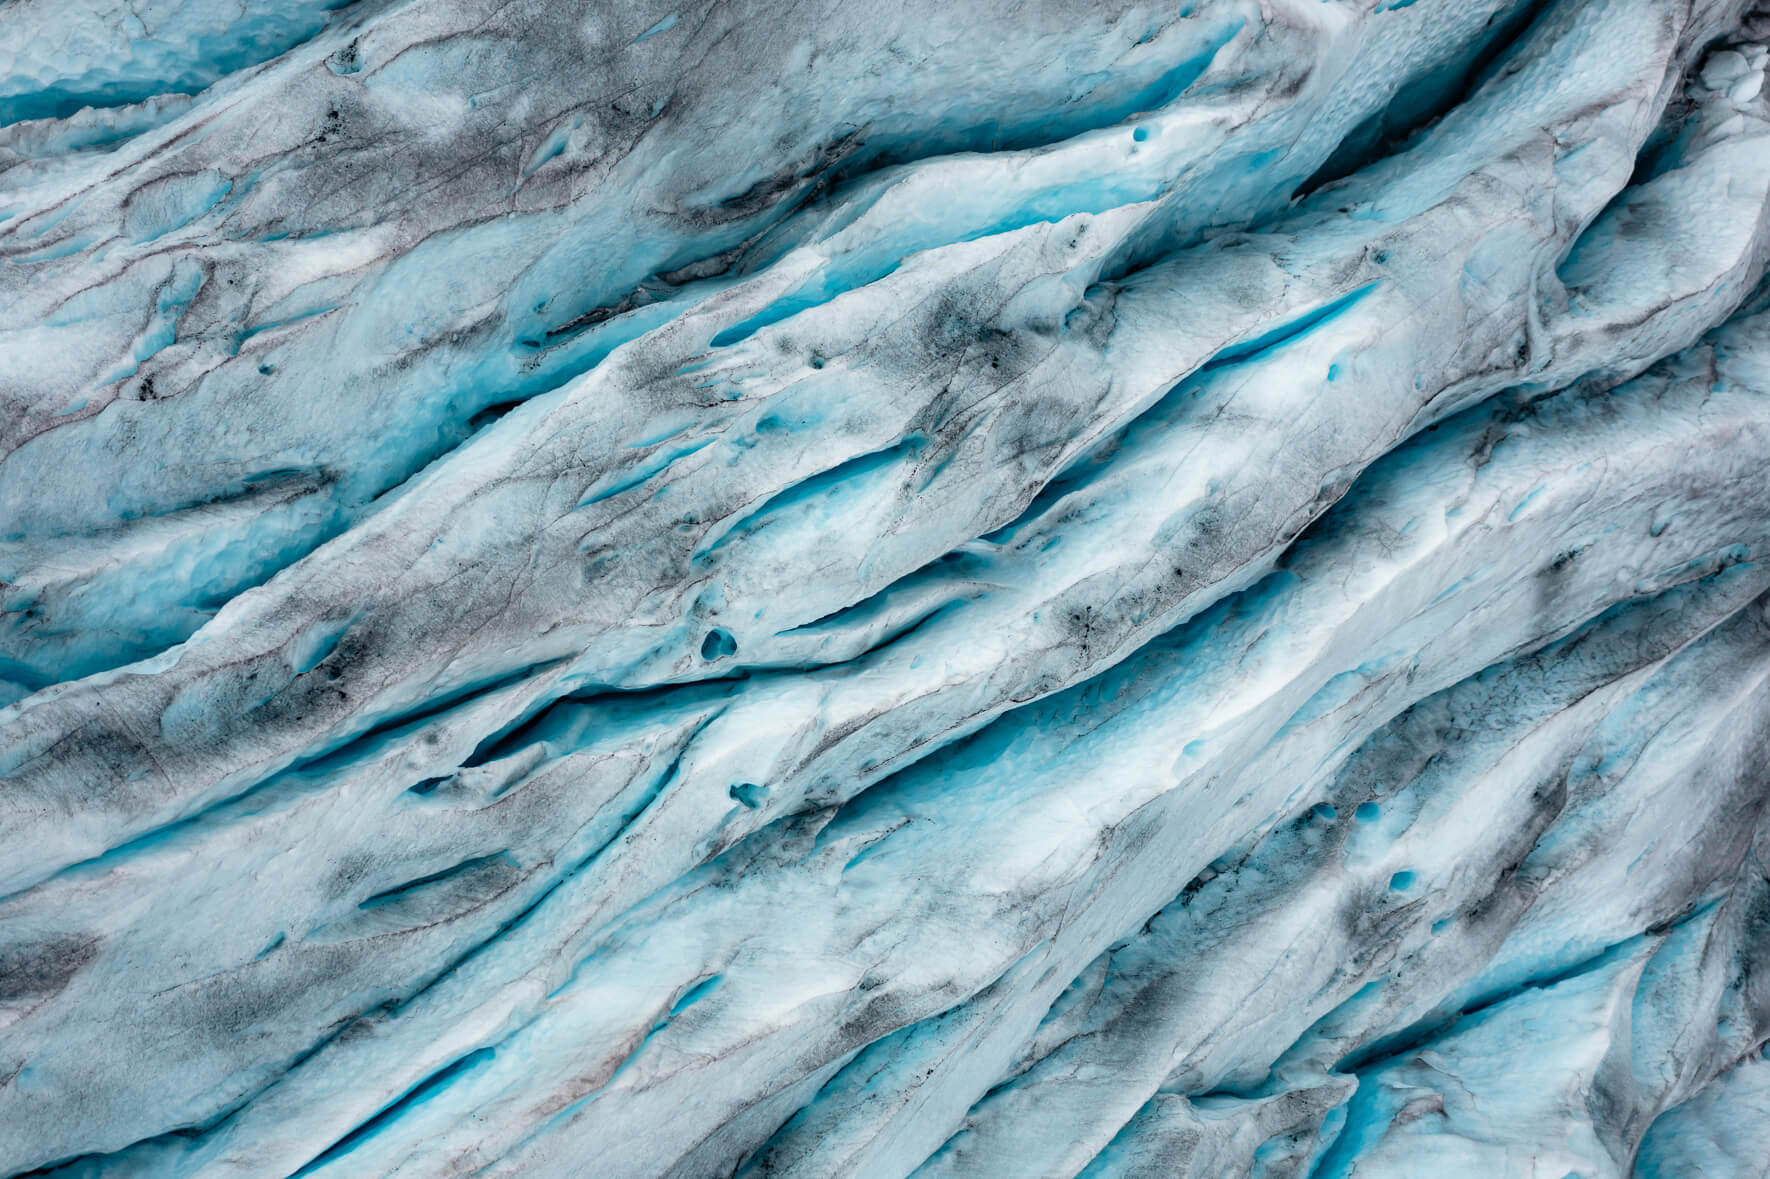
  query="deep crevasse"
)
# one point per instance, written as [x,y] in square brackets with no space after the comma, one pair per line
[989,589]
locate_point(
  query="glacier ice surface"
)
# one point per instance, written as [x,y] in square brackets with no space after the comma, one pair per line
[1002,588]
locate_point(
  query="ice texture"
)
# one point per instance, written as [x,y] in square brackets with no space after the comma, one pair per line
[981,589]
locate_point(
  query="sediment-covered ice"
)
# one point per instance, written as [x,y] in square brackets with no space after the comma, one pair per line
[979,589]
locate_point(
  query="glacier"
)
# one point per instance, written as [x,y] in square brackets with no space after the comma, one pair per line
[999,589]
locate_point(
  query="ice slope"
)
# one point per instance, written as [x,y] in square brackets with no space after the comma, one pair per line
[987,589]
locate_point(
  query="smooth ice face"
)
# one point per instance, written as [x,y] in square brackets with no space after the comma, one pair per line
[1001,588]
